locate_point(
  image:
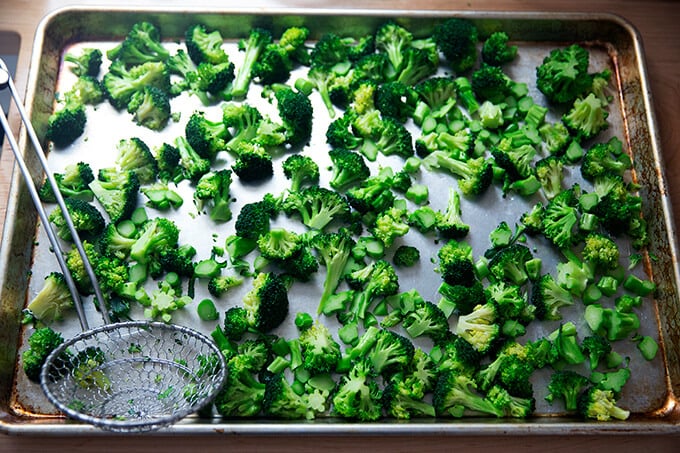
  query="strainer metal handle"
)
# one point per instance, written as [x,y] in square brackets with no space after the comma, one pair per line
[138,376]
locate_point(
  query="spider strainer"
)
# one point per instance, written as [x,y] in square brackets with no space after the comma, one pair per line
[130,376]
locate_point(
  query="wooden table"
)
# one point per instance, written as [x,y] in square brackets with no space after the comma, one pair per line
[657,22]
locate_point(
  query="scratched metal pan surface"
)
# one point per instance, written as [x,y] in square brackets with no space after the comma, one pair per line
[613,43]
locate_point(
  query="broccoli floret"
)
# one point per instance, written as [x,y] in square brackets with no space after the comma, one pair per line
[456,392]
[426,320]
[142,44]
[465,94]
[614,324]
[179,260]
[316,206]
[403,399]
[254,163]
[206,137]
[603,160]
[281,401]
[417,64]
[563,74]
[252,221]
[566,385]
[406,256]
[167,157]
[490,83]
[86,219]
[475,175]
[340,133]
[66,124]
[510,405]
[587,117]
[112,272]
[150,108]
[515,160]
[396,100]
[348,168]
[192,164]
[242,121]
[267,302]
[320,352]
[134,155]
[334,249]
[209,82]
[373,196]
[252,46]
[389,225]
[279,244]
[300,170]
[277,59]
[439,94]
[358,394]
[457,355]
[556,137]
[117,192]
[72,183]
[213,191]
[479,327]
[457,40]
[560,218]
[221,284]
[549,172]
[450,223]
[393,138]
[548,297]
[455,263]
[377,279]
[511,303]
[508,264]
[53,299]
[386,351]
[86,90]
[156,235]
[601,252]
[113,243]
[393,39]
[87,63]
[600,405]
[423,219]
[120,83]
[295,110]
[205,45]
[597,348]
[496,51]
[242,395]
[40,344]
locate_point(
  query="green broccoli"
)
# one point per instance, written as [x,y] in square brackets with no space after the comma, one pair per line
[316,206]
[178,260]
[150,108]
[295,110]
[600,405]
[40,344]
[206,137]
[279,244]
[377,279]
[566,385]
[508,264]
[156,235]
[72,183]
[160,196]
[561,216]
[53,299]
[213,192]
[479,327]
[389,225]
[86,90]
[192,165]
[117,192]
[204,45]
[142,44]
[455,392]
[550,174]
[406,256]
[496,50]
[266,303]
[280,400]
[601,252]
[393,39]
[66,124]
[243,394]
[396,100]
[86,219]
[278,58]
[597,348]
[300,170]
[586,118]
[221,284]
[402,399]
[457,40]
[455,263]
[602,160]
[475,175]
[253,46]
[418,63]
[563,74]
[490,83]
[510,405]
[334,249]
[87,63]
[450,223]
[252,221]
[134,155]
[320,352]
[358,395]
[120,83]
[348,168]
[548,298]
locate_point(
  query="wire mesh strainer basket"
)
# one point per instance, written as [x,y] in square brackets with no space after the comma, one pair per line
[133,376]
[128,377]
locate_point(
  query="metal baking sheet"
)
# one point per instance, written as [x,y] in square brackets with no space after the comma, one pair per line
[612,42]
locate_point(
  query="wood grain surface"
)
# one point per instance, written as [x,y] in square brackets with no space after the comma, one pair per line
[657,22]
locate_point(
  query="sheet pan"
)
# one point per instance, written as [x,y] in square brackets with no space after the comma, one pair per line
[613,42]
